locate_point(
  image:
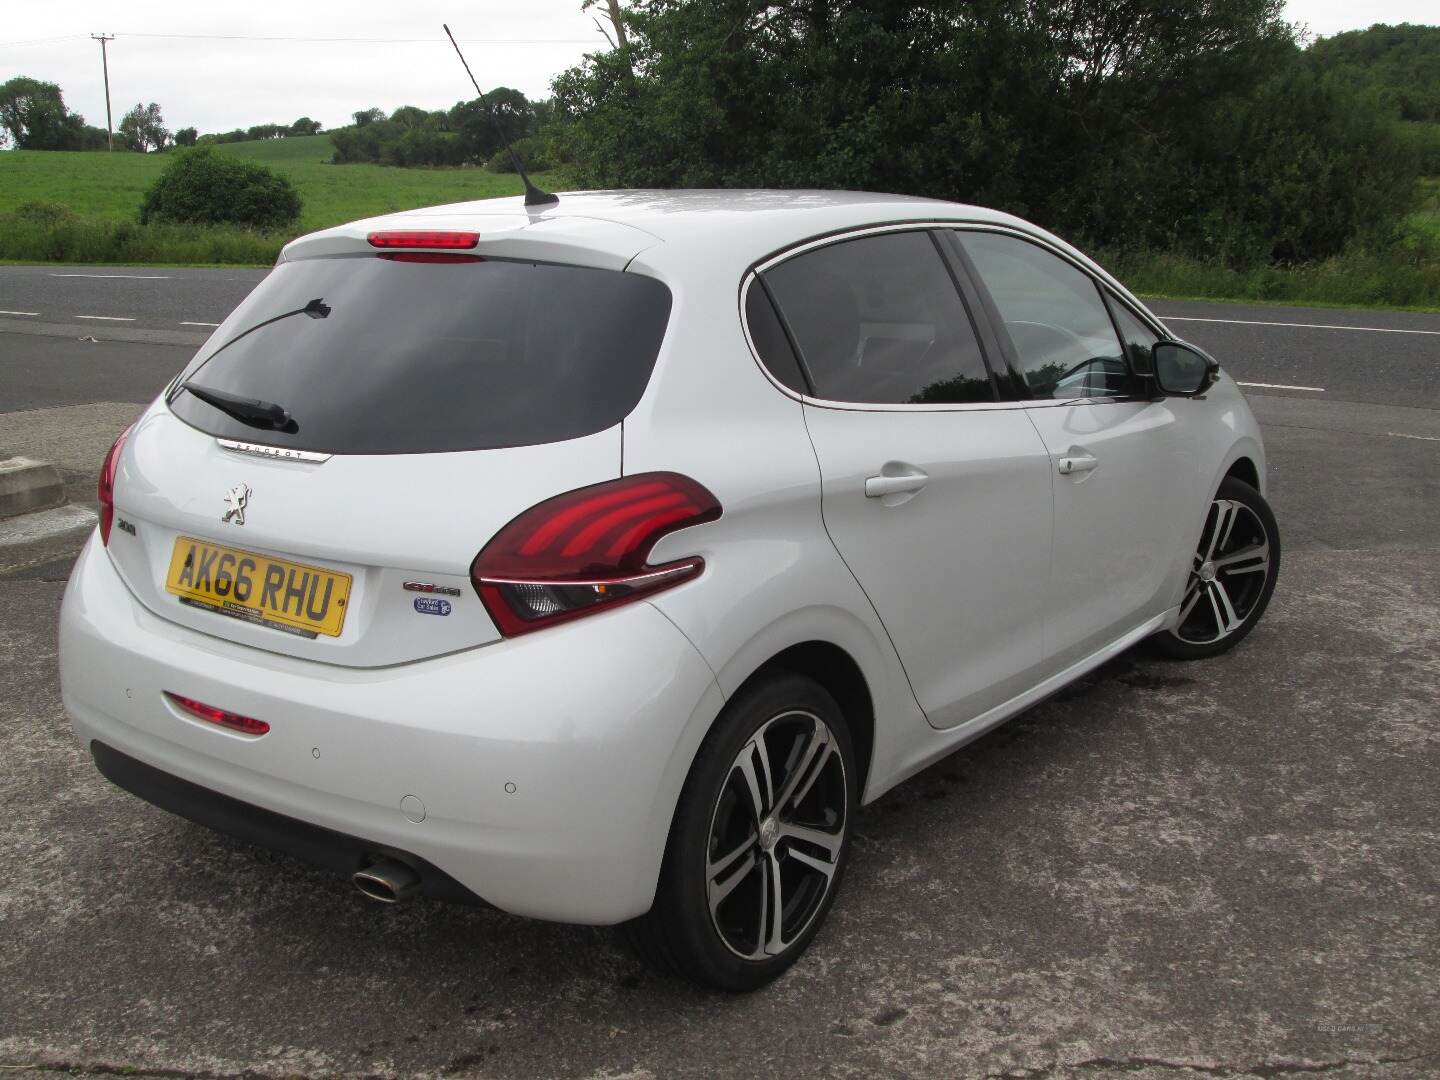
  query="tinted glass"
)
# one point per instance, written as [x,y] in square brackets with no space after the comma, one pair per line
[878,320]
[423,356]
[1061,331]
[770,340]
[1139,339]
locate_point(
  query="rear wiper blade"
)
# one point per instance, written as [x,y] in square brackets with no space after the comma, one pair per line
[253,411]
[316,309]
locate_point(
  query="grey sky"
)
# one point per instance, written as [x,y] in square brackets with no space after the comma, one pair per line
[231,80]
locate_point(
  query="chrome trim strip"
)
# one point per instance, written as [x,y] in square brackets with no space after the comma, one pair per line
[688,566]
[274,453]
[1103,278]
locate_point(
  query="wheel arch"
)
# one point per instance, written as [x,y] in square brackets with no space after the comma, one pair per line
[1245,470]
[838,672]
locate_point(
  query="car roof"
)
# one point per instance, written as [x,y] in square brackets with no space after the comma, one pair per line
[606,228]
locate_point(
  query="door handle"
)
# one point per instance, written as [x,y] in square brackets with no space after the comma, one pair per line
[1077,463]
[877,487]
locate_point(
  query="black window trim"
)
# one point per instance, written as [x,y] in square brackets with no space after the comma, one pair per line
[984,339]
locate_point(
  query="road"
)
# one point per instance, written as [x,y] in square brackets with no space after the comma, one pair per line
[1229,868]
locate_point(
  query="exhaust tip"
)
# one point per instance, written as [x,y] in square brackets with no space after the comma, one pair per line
[388,882]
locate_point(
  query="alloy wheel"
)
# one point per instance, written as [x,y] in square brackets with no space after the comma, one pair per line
[776,835]
[1227,576]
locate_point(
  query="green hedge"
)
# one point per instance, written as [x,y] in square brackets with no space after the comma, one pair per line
[78,240]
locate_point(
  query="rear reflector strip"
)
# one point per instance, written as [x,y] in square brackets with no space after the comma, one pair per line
[246,725]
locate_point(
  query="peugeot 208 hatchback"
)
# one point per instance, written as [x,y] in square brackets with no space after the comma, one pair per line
[598,561]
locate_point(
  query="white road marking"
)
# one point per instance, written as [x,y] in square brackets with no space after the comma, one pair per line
[19,313]
[107,318]
[137,277]
[1282,386]
[1402,435]
[1297,325]
[28,528]
[199,324]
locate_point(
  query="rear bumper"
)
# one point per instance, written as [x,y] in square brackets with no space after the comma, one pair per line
[323,847]
[548,766]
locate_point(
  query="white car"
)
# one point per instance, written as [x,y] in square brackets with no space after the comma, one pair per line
[598,560]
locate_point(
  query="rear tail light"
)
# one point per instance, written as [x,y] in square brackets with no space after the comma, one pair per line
[412,238]
[588,550]
[246,725]
[106,490]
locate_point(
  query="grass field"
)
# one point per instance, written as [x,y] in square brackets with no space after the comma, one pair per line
[101,195]
[109,187]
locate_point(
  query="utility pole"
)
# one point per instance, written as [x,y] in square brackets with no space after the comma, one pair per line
[105,64]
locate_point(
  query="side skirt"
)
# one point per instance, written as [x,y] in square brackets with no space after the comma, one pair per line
[951,739]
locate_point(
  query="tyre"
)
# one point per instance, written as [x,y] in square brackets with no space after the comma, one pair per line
[759,841]
[1232,575]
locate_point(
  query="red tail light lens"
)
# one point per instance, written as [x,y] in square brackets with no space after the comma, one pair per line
[421,239]
[246,725]
[106,489]
[588,550]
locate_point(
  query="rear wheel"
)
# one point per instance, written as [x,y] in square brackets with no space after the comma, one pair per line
[1232,575]
[759,841]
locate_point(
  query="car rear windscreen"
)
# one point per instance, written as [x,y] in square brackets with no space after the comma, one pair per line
[384,355]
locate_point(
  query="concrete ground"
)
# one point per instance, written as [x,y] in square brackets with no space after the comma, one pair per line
[1225,869]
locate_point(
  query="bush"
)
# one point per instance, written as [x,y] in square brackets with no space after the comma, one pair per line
[40,212]
[534,155]
[203,187]
[78,240]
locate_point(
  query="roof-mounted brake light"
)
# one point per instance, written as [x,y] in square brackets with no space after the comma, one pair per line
[420,239]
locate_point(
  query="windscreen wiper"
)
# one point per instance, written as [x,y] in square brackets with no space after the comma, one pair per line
[253,411]
[316,309]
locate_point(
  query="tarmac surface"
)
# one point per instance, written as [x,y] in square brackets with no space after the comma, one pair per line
[1226,869]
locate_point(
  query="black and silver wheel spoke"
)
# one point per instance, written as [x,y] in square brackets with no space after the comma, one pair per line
[1228,575]
[776,835]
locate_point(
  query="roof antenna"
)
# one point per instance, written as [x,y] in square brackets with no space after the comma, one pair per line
[533,195]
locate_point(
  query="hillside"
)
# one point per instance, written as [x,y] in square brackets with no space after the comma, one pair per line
[109,187]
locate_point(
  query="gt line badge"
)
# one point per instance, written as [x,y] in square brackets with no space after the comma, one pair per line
[236,499]
[425,586]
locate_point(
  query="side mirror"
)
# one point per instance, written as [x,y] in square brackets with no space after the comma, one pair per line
[1182,370]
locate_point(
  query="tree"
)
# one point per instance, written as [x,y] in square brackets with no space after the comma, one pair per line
[34,114]
[476,121]
[143,128]
[1120,123]
[614,16]
[204,186]
[368,116]
[186,136]
[305,126]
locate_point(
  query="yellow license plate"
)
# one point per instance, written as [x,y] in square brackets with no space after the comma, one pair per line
[258,588]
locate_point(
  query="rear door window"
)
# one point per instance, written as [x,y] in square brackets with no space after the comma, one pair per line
[878,320]
[377,355]
[1054,315]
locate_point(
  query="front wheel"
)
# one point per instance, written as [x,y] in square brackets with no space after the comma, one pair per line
[759,841]
[1232,575]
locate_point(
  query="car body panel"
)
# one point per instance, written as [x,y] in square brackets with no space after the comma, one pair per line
[1116,525]
[959,569]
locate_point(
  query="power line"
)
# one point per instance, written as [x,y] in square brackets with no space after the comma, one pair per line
[41,41]
[365,41]
[309,40]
